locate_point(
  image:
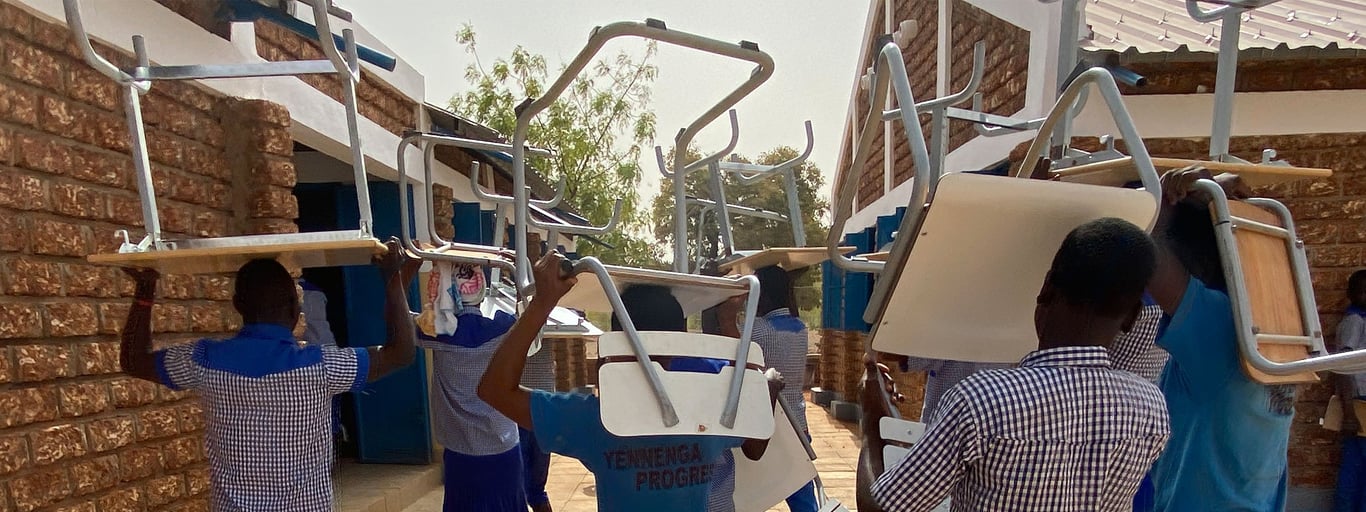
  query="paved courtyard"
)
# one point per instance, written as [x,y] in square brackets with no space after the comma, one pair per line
[571,486]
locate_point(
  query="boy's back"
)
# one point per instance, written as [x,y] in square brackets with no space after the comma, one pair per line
[268,403]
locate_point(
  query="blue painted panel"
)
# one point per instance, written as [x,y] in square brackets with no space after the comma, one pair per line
[832,296]
[858,286]
[486,227]
[392,418]
[469,226]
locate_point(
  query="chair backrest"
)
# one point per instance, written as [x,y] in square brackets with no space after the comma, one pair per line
[979,260]
[784,468]
[898,431]
[698,399]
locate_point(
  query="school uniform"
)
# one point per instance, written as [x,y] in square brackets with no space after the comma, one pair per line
[539,373]
[1064,431]
[267,401]
[1351,485]
[1136,351]
[1229,432]
[941,376]
[784,340]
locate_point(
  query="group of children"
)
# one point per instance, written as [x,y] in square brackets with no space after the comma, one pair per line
[1134,400]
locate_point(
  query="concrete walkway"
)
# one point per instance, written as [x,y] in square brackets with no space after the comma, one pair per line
[571,486]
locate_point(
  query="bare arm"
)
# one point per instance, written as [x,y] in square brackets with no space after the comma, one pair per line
[135,347]
[397,269]
[1169,282]
[501,385]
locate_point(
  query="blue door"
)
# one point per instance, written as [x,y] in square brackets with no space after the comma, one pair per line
[392,424]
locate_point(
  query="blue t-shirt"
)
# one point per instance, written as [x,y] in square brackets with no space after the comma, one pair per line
[1229,434]
[658,473]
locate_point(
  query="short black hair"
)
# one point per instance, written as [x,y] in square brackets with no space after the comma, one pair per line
[1357,281]
[1190,237]
[652,308]
[775,289]
[1105,265]
[264,290]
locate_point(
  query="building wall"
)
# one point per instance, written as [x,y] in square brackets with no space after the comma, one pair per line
[75,433]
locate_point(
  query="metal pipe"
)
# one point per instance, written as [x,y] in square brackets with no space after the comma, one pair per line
[979,60]
[584,230]
[494,254]
[1068,35]
[741,353]
[718,194]
[496,198]
[1224,81]
[72,8]
[752,173]
[142,167]
[710,206]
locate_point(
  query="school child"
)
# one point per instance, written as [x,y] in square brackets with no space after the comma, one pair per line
[267,398]
[571,425]
[1064,430]
[482,459]
[1351,490]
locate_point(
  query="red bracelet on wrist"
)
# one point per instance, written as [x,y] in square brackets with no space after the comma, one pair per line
[143,302]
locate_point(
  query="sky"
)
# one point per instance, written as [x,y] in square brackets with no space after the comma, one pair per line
[814,45]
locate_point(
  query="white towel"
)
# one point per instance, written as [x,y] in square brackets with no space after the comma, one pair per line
[447,303]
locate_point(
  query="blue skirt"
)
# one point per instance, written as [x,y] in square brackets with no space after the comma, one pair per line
[489,483]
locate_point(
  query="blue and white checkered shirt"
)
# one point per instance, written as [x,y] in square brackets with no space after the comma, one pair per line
[1136,351]
[268,402]
[784,340]
[539,372]
[1063,432]
[465,424]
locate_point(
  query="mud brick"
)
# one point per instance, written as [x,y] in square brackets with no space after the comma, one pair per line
[57,238]
[7,144]
[78,201]
[275,202]
[13,454]
[28,277]
[1316,232]
[188,188]
[1335,256]
[220,196]
[183,451]
[44,154]
[18,106]
[88,506]
[29,405]
[191,95]
[271,140]
[42,362]
[56,116]
[89,87]
[197,480]
[206,318]
[274,171]
[90,280]
[122,500]
[191,417]
[166,489]
[157,424]
[139,462]
[18,320]
[99,358]
[170,318]
[72,319]
[110,433]
[112,317]
[57,443]
[129,392]
[216,287]
[105,130]
[175,217]
[125,209]
[177,286]
[31,64]
[211,224]
[39,489]
[84,399]
[22,192]
[163,148]
[205,161]
[232,322]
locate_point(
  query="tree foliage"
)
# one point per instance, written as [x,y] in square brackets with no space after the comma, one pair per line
[596,130]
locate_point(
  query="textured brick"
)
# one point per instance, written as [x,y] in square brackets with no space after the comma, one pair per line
[176,217]
[191,417]
[88,506]
[44,154]
[57,117]
[29,405]
[28,277]
[99,358]
[57,443]
[163,490]
[156,424]
[84,399]
[125,209]
[170,318]
[197,480]
[91,280]
[211,224]
[19,106]
[271,226]
[20,320]
[176,286]
[277,172]
[183,451]
[274,141]
[39,489]
[89,87]
[204,161]
[122,500]
[129,392]
[31,64]
[139,462]
[72,319]
[57,238]
[112,317]
[96,474]
[207,318]
[13,454]
[275,202]
[78,201]
[110,433]
[42,362]
[21,191]
[13,232]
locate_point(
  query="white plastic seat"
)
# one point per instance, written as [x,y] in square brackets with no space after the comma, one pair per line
[698,398]
[784,468]
[901,431]
[694,293]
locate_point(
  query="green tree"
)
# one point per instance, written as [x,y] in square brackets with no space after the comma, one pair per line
[750,233]
[596,130]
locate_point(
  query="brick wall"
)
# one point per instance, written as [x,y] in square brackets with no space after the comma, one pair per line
[1260,75]
[76,434]
[1329,216]
[377,101]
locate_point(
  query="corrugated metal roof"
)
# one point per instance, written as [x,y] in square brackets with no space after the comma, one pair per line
[1156,26]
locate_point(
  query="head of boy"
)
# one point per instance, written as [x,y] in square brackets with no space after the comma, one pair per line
[1189,235]
[1356,289]
[264,294]
[1095,287]
[775,289]
[654,308]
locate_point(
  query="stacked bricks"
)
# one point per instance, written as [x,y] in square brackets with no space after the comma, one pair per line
[375,100]
[573,367]
[1306,69]
[841,367]
[444,210]
[1329,216]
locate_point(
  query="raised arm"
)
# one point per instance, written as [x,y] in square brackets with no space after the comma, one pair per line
[135,347]
[397,269]
[1168,285]
[501,385]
